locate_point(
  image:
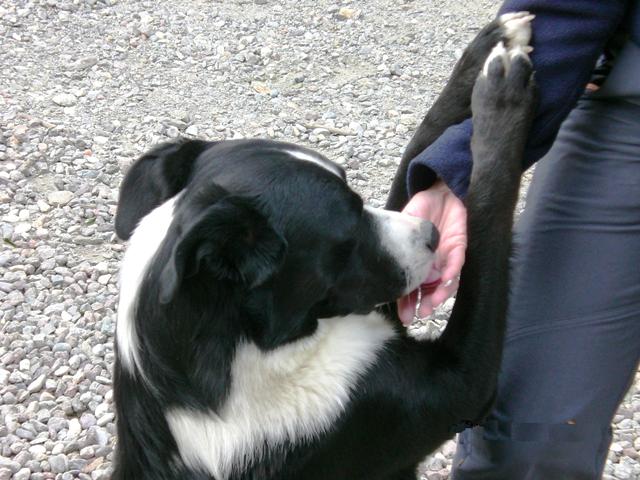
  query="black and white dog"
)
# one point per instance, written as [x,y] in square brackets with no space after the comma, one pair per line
[250,340]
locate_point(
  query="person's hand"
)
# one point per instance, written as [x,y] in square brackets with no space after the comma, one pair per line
[440,206]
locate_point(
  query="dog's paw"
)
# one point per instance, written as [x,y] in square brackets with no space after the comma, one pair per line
[502,103]
[516,28]
[507,74]
[512,29]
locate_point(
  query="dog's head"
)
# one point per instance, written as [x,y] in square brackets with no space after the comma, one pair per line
[274,223]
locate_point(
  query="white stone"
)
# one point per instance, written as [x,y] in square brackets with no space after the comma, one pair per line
[43,206]
[65,99]
[21,228]
[60,197]
[74,428]
[37,384]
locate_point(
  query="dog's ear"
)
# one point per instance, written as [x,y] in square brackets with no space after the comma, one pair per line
[231,241]
[154,178]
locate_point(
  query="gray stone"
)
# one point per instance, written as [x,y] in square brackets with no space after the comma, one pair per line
[33,466]
[22,474]
[58,463]
[623,472]
[57,423]
[100,474]
[106,419]
[25,434]
[87,420]
[85,62]
[14,298]
[77,464]
[23,457]
[38,452]
[87,452]
[7,463]
[62,346]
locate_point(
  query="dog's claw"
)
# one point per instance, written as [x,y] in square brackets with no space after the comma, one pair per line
[517,28]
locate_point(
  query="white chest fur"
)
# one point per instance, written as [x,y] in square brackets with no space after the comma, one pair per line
[290,394]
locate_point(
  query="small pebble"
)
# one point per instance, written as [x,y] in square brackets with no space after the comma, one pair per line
[65,99]
[60,197]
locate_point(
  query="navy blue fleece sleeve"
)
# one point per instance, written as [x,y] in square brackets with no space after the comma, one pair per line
[568,37]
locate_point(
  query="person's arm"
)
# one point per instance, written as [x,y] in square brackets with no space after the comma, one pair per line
[568,37]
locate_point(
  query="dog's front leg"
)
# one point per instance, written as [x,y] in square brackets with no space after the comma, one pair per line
[502,104]
[454,102]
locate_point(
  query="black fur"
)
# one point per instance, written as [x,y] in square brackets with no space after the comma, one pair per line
[451,107]
[297,239]
[155,177]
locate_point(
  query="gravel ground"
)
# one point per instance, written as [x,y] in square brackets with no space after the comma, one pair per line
[88,85]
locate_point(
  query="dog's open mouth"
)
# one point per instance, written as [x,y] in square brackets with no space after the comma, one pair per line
[429,288]
[407,305]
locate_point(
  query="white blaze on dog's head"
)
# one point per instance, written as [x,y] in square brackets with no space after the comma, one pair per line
[312,157]
[144,243]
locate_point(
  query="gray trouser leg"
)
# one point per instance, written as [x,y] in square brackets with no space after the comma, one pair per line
[573,339]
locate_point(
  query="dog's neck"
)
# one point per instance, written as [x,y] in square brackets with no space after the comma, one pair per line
[241,388]
[194,338]
[271,325]
[290,394]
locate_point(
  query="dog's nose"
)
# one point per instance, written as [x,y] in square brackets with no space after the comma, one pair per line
[431,234]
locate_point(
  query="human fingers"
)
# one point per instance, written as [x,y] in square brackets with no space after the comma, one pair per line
[444,291]
[425,204]
[450,275]
[426,307]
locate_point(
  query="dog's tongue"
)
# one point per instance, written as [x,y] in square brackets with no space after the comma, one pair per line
[407,304]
